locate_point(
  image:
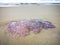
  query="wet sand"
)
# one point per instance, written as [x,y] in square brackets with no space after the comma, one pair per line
[45,37]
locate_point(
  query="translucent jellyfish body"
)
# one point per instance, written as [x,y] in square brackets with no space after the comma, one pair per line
[23,27]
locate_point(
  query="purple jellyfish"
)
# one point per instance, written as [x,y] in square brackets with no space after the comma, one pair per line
[23,27]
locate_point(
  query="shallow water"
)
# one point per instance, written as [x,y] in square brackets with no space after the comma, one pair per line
[45,37]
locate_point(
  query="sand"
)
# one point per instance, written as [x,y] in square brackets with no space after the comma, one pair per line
[45,37]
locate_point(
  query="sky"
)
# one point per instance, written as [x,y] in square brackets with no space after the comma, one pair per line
[26,1]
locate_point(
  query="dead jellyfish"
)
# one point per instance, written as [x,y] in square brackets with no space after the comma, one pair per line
[23,27]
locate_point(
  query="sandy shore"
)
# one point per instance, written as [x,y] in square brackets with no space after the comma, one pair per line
[45,37]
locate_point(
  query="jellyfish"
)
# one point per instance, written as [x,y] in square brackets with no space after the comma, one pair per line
[23,27]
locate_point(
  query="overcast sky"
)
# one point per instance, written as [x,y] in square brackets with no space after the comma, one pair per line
[26,1]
